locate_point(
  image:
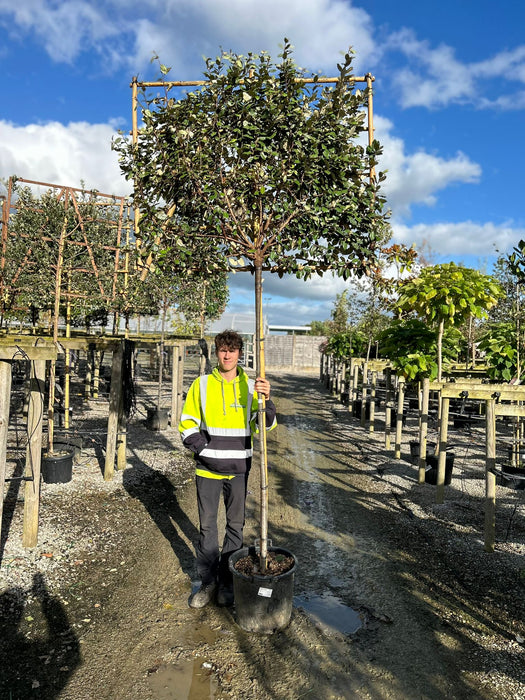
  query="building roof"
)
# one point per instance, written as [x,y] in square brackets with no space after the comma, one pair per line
[242,323]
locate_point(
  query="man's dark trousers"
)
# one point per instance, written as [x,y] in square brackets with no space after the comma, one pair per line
[211,565]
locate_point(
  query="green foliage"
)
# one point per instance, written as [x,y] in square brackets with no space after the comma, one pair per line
[339,314]
[509,306]
[411,346]
[499,344]
[319,328]
[346,344]
[44,228]
[448,293]
[517,261]
[256,168]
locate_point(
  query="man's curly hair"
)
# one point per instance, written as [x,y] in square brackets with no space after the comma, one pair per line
[229,339]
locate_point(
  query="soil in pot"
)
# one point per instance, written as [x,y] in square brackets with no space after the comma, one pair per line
[275,564]
[64,441]
[263,602]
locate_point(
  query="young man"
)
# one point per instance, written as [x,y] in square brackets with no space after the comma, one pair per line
[218,419]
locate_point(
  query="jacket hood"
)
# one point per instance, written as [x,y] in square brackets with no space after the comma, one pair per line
[241,374]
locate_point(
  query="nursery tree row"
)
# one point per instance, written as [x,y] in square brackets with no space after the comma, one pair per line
[72,253]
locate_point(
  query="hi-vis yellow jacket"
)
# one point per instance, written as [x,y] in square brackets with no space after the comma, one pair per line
[217,422]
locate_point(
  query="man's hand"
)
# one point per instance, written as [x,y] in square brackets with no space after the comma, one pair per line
[262,386]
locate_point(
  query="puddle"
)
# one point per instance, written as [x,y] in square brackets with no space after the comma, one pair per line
[187,680]
[330,613]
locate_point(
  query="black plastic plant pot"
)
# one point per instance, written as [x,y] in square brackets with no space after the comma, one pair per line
[513,477]
[432,468]
[393,419]
[357,409]
[157,418]
[57,467]
[263,603]
[414,450]
[519,456]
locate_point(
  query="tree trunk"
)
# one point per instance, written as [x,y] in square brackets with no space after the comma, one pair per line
[161,353]
[440,350]
[56,313]
[260,369]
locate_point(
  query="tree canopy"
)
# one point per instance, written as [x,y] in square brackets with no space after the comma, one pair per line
[446,295]
[258,168]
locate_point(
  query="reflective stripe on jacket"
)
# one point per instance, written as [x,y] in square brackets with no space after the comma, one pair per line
[218,419]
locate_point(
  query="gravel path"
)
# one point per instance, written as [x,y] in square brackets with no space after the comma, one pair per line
[99,607]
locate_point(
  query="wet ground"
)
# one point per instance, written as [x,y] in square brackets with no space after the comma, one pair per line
[394,596]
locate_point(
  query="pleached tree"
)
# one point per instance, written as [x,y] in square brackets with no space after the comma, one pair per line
[259,170]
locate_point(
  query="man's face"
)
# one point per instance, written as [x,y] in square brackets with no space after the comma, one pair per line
[228,358]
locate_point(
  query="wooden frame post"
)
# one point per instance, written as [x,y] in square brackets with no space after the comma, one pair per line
[388,408]
[490,477]
[423,430]
[355,384]
[442,455]
[364,392]
[399,416]
[114,405]
[34,454]
[373,388]
[176,385]
[5,393]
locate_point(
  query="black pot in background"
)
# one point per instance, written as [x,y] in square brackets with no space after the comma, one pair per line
[393,419]
[57,468]
[414,450]
[513,477]
[157,418]
[432,468]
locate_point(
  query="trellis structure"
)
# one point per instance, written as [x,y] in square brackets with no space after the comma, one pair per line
[38,352]
[499,400]
[113,250]
[493,395]
[171,84]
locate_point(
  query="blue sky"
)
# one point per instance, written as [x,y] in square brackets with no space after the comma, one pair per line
[449,101]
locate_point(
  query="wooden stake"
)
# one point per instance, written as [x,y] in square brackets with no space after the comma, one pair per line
[371,427]
[34,454]
[5,393]
[259,340]
[442,455]
[388,408]
[399,416]
[364,392]
[423,431]
[114,403]
[177,370]
[490,477]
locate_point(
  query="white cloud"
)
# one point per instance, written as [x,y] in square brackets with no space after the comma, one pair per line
[437,78]
[440,78]
[62,154]
[465,238]
[415,178]
[181,31]
[64,27]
